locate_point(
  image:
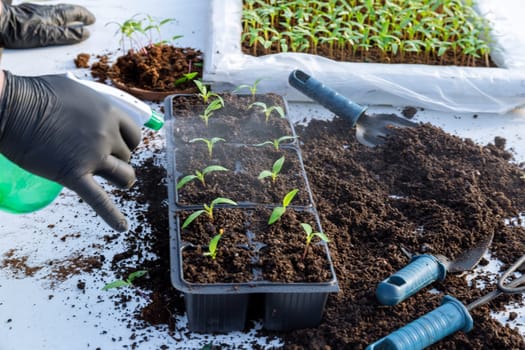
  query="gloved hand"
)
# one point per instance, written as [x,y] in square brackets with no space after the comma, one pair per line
[59,129]
[30,25]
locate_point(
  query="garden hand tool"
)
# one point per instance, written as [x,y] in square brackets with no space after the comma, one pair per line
[371,130]
[448,318]
[425,269]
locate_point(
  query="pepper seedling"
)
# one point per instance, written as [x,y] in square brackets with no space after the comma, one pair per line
[276,143]
[252,88]
[208,210]
[185,78]
[310,234]
[277,212]
[208,112]
[127,282]
[206,94]
[209,143]
[199,175]
[268,110]
[212,246]
[276,169]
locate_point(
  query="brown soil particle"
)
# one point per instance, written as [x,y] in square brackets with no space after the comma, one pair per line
[82,60]
[424,190]
[157,68]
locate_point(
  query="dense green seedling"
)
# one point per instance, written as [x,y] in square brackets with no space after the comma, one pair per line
[426,29]
[310,234]
[208,210]
[127,282]
[199,175]
[268,110]
[276,169]
[277,212]
[276,143]
[210,143]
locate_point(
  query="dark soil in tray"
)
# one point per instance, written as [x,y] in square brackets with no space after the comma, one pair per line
[425,190]
[236,122]
[250,250]
[240,183]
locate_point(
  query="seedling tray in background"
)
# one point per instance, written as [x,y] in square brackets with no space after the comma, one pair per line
[222,307]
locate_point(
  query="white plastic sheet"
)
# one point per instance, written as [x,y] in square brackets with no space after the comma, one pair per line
[446,88]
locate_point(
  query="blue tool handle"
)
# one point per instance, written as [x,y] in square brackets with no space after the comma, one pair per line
[449,318]
[325,96]
[419,273]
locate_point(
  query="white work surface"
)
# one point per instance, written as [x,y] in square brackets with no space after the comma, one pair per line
[38,314]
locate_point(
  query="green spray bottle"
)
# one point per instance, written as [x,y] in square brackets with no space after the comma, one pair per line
[24,192]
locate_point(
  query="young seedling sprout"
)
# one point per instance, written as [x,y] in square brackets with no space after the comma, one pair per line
[208,112]
[206,94]
[212,246]
[209,143]
[276,143]
[208,210]
[185,78]
[268,110]
[279,211]
[310,234]
[276,169]
[199,175]
[125,283]
[252,88]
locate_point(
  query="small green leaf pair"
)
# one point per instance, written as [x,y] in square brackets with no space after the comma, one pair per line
[276,169]
[268,110]
[208,210]
[279,211]
[310,234]
[125,283]
[199,175]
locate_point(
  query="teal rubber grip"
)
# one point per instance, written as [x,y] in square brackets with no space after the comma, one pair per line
[325,96]
[419,273]
[450,317]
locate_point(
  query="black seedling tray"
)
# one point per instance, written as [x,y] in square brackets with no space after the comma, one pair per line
[223,307]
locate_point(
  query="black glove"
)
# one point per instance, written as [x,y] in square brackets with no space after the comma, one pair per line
[29,25]
[59,129]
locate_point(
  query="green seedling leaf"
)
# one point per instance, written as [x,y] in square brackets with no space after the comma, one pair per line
[212,168]
[279,211]
[185,180]
[221,200]
[200,175]
[265,174]
[192,217]
[210,143]
[276,169]
[276,143]
[277,166]
[212,246]
[128,282]
[276,214]
[137,274]
[206,94]
[116,284]
[252,88]
[289,196]
[310,235]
